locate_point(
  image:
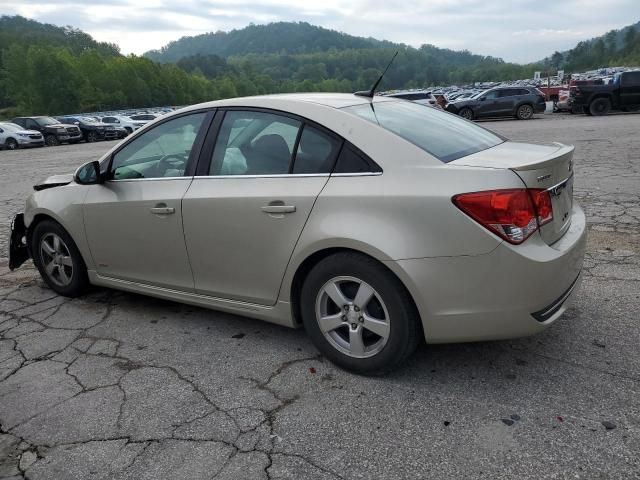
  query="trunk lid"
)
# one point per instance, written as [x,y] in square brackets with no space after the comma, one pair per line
[548,167]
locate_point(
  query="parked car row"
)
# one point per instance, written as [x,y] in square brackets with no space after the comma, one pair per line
[38,131]
[519,102]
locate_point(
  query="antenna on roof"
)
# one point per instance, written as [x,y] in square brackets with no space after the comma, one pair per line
[370,93]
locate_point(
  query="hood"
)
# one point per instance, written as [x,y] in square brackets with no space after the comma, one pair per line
[28,132]
[54,181]
[60,125]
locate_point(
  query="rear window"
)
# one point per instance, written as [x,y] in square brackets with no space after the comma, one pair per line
[443,135]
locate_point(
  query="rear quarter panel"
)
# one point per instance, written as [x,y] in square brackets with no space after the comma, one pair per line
[404,213]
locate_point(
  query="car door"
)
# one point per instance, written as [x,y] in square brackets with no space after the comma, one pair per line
[246,208]
[630,91]
[488,104]
[133,221]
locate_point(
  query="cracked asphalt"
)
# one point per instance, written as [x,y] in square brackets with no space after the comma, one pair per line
[120,386]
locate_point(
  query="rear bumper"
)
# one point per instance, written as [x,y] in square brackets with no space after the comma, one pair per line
[513,291]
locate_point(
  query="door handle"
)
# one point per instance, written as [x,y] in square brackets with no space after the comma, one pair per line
[162,209]
[278,208]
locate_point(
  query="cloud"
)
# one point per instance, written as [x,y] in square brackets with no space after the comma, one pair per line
[516,30]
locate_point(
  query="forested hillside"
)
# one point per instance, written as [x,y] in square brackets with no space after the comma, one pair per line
[281,37]
[614,48]
[45,69]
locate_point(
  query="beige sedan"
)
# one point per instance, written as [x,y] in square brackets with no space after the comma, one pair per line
[374,223]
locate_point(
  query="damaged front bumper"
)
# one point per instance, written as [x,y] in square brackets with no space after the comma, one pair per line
[18,248]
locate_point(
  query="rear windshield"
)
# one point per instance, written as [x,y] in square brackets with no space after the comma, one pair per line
[443,135]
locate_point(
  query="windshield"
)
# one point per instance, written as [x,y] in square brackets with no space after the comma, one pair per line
[88,119]
[47,121]
[443,135]
[476,95]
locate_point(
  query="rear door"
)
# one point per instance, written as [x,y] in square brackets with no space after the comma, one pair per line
[630,89]
[246,208]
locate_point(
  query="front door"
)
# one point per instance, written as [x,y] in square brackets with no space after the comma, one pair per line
[243,219]
[133,221]
[630,91]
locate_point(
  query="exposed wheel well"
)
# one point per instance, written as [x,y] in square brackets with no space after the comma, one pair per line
[306,266]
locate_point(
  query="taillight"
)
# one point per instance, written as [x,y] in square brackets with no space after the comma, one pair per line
[512,214]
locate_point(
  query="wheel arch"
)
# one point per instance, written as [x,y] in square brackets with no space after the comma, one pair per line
[40,215]
[311,260]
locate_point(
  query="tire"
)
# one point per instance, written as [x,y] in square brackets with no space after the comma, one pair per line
[466,113]
[58,259]
[600,107]
[11,144]
[129,130]
[51,141]
[524,112]
[91,137]
[348,339]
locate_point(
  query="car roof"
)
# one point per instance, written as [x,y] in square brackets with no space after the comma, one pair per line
[334,100]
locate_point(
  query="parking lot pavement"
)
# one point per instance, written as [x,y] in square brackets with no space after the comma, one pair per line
[116,385]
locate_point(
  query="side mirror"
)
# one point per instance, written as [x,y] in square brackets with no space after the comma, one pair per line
[88,174]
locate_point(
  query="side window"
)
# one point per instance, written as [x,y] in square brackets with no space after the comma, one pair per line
[352,160]
[254,143]
[31,125]
[507,93]
[316,152]
[631,79]
[492,95]
[160,152]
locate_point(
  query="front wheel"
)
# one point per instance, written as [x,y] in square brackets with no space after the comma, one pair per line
[466,113]
[51,141]
[92,137]
[524,112]
[358,314]
[58,259]
[11,144]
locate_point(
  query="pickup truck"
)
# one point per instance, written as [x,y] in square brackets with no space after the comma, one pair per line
[623,93]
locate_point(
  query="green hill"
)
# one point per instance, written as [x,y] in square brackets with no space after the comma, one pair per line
[20,30]
[281,38]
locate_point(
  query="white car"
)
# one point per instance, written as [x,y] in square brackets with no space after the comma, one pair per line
[374,222]
[13,136]
[144,117]
[129,124]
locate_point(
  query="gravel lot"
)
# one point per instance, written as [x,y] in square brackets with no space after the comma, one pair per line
[116,385]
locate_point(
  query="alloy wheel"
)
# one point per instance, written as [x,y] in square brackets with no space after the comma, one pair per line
[12,144]
[526,112]
[353,317]
[56,259]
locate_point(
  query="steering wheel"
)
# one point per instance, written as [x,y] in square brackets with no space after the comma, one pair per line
[172,161]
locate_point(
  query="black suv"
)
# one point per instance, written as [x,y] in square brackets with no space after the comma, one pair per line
[91,128]
[621,94]
[519,102]
[53,131]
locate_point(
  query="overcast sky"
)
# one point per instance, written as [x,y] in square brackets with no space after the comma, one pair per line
[516,30]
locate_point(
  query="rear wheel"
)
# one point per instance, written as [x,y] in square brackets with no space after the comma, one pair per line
[524,112]
[358,314]
[600,106]
[466,113]
[11,144]
[58,259]
[51,140]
